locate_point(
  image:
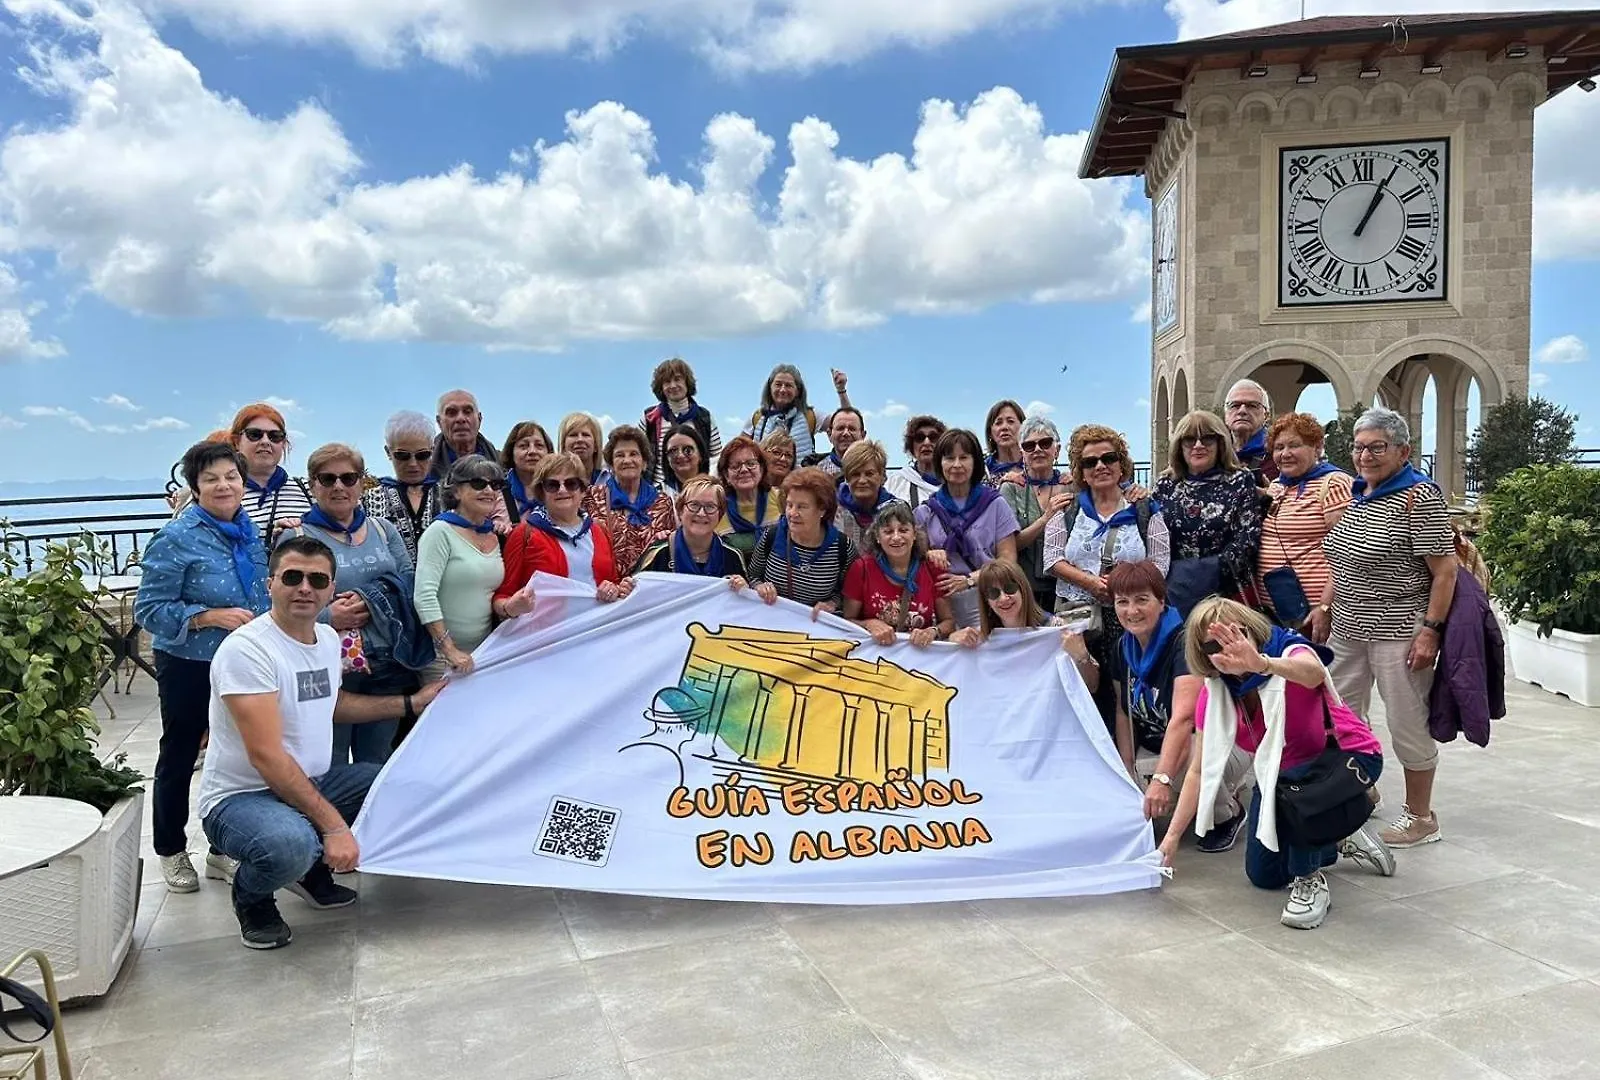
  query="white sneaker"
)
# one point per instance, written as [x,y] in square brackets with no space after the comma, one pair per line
[178,872]
[1309,899]
[1363,846]
[220,867]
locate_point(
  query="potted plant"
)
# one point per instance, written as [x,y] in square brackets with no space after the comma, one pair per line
[78,909]
[1541,540]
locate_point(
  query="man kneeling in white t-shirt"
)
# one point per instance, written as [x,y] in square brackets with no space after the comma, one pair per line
[268,796]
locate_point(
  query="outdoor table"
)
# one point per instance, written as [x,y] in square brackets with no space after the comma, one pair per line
[123,635]
[33,831]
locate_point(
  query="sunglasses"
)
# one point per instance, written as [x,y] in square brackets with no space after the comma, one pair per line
[1104,459]
[411,455]
[478,483]
[348,479]
[682,451]
[925,436]
[272,435]
[1038,444]
[1195,440]
[993,591]
[571,483]
[295,578]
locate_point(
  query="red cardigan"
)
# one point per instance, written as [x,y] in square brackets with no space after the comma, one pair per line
[529,550]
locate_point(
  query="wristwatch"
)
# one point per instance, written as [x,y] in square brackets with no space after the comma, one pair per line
[1163,779]
[1436,625]
[1326,609]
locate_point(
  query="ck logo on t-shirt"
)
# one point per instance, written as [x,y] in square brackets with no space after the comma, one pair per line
[313,685]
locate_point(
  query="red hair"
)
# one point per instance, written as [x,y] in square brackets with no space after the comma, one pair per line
[1128,578]
[242,418]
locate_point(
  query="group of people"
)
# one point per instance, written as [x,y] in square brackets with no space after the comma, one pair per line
[1250,558]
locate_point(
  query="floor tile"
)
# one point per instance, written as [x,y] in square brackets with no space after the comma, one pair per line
[605,923]
[831,1048]
[1072,931]
[1439,865]
[704,993]
[1536,916]
[1406,1054]
[1278,1008]
[314,1045]
[539,1025]
[208,914]
[1549,1035]
[1214,886]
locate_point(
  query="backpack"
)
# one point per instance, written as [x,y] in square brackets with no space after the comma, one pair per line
[811,420]
[1141,515]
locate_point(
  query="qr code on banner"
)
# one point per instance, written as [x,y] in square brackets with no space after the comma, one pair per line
[576,831]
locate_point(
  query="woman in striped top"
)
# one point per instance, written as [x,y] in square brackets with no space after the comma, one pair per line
[804,557]
[1307,500]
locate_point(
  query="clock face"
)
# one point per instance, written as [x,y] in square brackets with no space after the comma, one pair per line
[1164,304]
[1363,224]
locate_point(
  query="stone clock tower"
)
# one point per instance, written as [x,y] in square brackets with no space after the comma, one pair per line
[1346,200]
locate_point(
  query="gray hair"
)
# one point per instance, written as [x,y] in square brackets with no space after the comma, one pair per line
[1251,384]
[407,424]
[1040,424]
[468,394]
[1391,423]
[471,467]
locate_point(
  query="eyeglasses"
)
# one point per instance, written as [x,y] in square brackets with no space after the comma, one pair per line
[272,435]
[479,483]
[348,479]
[571,483]
[1038,444]
[1107,460]
[1377,449]
[700,509]
[1245,406]
[682,451]
[993,592]
[925,435]
[1189,441]
[780,455]
[411,455]
[295,578]
[747,465]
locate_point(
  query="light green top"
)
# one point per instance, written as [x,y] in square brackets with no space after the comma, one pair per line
[456,583]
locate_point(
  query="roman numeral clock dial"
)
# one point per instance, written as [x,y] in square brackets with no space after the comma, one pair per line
[1363,224]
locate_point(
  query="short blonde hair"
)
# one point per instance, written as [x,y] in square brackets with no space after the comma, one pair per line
[556,465]
[700,485]
[780,440]
[1219,609]
[862,453]
[1199,425]
[328,453]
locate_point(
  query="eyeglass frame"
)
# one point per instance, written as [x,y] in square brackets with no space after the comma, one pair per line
[255,434]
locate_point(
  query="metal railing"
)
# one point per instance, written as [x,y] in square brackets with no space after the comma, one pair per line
[121,535]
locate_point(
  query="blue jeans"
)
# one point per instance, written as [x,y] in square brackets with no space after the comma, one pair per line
[1275,869]
[275,844]
[372,743]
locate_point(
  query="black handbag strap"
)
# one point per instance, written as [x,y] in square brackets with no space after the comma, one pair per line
[1327,722]
[33,1008]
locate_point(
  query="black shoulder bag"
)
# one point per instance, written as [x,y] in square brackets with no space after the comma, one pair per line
[1330,801]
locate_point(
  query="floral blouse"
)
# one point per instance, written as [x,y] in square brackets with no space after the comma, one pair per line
[628,541]
[1218,515]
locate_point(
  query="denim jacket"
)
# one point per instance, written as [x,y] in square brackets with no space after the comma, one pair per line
[188,568]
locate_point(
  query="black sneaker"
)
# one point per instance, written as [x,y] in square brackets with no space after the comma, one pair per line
[260,925]
[319,889]
[1223,836]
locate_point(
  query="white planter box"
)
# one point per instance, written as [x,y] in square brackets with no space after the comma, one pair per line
[1563,663]
[79,909]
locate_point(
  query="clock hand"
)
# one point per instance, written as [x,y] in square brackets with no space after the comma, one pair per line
[1377,197]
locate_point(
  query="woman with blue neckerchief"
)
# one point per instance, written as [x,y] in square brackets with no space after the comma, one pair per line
[409,499]
[525,447]
[204,576]
[1038,494]
[1212,511]
[694,547]
[890,589]
[804,557]
[1001,429]
[632,510]
[271,494]
[861,493]
[1394,577]
[966,522]
[1306,500]
[915,481]
[784,408]
[751,505]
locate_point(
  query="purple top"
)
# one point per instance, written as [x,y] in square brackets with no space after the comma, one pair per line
[992,526]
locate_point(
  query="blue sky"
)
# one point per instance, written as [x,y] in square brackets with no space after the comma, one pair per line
[207,202]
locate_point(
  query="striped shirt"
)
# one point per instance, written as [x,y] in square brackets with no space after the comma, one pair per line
[802,581]
[1378,553]
[1292,532]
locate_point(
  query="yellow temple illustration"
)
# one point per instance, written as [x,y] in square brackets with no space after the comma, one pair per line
[792,704]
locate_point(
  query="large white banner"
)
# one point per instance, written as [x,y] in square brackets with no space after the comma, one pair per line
[694,742]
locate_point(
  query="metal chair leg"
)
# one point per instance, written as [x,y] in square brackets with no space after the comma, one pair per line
[48,975]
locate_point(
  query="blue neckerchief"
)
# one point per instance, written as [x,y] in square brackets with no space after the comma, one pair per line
[453,518]
[265,491]
[1255,446]
[539,517]
[675,418]
[316,517]
[929,478]
[683,559]
[909,582]
[838,462]
[240,533]
[1126,516]
[519,494]
[1050,481]
[400,485]
[1320,469]
[1141,663]
[958,519]
[740,523]
[1407,477]
[996,467]
[775,410]
[1276,646]
[639,508]
[783,546]
[863,517]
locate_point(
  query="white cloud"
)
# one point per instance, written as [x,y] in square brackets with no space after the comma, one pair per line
[1140,315]
[8,423]
[892,410]
[1038,408]
[162,423]
[1566,202]
[735,34]
[79,421]
[169,198]
[117,401]
[1538,380]
[16,320]
[59,413]
[1141,403]
[1566,349]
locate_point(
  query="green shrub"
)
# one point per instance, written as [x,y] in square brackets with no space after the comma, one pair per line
[52,653]
[1542,544]
[1522,431]
[1338,436]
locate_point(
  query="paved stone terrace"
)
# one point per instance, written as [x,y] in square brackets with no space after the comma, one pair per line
[1480,960]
